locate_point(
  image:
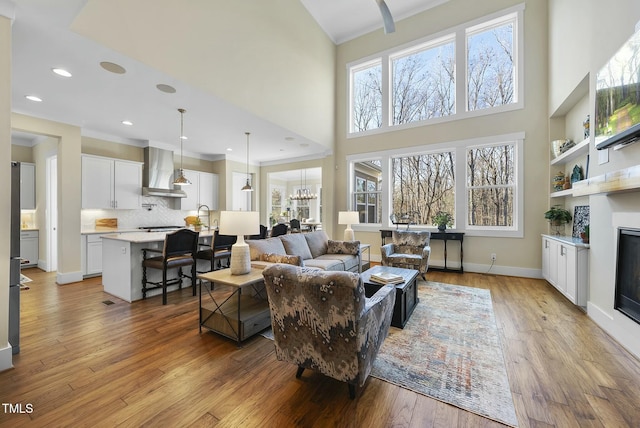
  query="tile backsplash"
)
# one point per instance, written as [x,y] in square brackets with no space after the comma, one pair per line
[161,213]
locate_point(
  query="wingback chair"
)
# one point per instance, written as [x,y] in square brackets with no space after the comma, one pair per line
[409,250]
[322,321]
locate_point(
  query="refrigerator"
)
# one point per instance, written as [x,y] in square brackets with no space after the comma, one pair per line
[14,255]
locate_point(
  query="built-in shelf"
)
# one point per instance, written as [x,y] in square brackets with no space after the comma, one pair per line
[582,148]
[623,180]
[562,193]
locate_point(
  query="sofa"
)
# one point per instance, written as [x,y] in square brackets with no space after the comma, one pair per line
[312,250]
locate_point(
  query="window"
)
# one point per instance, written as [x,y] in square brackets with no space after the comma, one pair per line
[490,65]
[366,81]
[477,181]
[422,185]
[368,187]
[423,83]
[416,84]
[491,186]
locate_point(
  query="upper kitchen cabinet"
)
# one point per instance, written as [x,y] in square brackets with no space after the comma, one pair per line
[110,183]
[202,191]
[27,186]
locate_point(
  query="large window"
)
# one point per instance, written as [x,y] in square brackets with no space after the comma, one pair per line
[422,185]
[417,84]
[423,83]
[367,191]
[477,181]
[491,185]
[490,65]
[366,80]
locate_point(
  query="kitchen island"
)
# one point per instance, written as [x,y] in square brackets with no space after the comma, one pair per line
[122,263]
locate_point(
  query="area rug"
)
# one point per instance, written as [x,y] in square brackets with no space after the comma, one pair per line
[450,350]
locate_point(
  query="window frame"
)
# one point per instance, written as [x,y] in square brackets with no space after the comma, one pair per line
[460,46]
[461,202]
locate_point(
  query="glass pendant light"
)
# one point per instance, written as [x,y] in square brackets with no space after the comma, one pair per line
[247,187]
[181,180]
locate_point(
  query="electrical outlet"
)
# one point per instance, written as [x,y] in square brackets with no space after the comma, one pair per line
[493,257]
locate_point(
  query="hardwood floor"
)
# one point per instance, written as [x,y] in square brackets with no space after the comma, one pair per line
[87,363]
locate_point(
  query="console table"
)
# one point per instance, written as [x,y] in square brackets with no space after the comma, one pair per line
[440,236]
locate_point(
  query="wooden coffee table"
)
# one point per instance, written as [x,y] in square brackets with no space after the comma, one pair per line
[406,292]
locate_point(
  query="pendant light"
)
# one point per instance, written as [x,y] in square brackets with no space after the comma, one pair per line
[247,187]
[181,180]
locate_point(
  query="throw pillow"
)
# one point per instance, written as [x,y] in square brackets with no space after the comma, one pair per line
[279,258]
[296,245]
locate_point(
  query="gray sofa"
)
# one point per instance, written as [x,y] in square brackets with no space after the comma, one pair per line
[313,249]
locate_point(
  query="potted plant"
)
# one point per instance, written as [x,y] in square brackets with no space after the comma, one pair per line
[585,234]
[558,217]
[442,219]
[197,224]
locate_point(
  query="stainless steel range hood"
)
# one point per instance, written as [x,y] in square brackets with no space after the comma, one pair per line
[157,174]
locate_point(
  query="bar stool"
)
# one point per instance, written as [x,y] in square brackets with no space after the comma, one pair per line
[180,248]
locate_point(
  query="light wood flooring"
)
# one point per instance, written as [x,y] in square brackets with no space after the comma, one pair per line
[86,363]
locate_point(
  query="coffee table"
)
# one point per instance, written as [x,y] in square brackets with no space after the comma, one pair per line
[406,292]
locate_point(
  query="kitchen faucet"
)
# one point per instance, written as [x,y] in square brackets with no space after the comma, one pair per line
[208,215]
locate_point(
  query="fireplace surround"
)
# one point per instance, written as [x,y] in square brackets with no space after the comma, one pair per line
[627,297]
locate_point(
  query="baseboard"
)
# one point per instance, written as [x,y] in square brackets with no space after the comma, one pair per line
[6,358]
[502,270]
[68,277]
[42,264]
[624,330]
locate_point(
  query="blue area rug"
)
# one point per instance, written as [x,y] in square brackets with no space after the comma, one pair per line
[450,350]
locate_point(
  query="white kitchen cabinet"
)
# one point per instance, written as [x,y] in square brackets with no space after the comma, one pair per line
[202,191]
[29,247]
[27,186]
[94,254]
[110,183]
[565,264]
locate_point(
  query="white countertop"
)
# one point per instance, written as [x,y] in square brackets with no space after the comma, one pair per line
[142,237]
[568,240]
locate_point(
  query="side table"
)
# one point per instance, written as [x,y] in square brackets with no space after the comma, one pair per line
[237,315]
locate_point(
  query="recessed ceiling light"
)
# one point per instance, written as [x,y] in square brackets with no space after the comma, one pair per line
[113,67]
[304,145]
[166,88]
[61,72]
[184,137]
[33,98]
[289,138]
[229,149]
[127,122]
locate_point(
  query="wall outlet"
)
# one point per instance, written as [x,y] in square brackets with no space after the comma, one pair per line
[493,257]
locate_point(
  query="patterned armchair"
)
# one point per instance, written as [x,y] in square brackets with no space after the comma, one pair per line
[323,321]
[409,250]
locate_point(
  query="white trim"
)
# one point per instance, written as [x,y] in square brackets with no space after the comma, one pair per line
[68,278]
[6,357]
[619,326]
[8,10]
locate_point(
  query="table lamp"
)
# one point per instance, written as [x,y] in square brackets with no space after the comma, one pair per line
[348,218]
[240,223]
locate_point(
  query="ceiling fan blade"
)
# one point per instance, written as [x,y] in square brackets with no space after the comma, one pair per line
[387,19]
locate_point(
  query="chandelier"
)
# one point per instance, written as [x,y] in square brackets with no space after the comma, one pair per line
[303,194]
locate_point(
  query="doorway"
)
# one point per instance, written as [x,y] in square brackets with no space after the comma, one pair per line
[52,213]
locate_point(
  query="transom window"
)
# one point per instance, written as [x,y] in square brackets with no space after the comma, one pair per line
[417,84]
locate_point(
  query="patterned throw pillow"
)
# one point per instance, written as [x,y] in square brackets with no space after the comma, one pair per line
[279,258]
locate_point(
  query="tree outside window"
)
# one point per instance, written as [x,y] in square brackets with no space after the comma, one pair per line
[423,185]
[366,87]
[423,84]
[491,185]
[490,66]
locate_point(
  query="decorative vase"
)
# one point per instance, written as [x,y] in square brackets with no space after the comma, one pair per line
[442,227]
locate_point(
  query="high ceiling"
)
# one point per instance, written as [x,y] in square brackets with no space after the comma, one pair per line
[98,100]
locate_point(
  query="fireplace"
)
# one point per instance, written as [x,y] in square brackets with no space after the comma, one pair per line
[627,298]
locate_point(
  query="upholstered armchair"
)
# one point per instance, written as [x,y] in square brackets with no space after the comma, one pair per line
[409,250]
[323,321]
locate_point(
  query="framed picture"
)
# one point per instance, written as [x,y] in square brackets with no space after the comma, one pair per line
[580,219]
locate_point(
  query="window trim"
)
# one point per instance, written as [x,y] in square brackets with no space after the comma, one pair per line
[460,148]
[459,33]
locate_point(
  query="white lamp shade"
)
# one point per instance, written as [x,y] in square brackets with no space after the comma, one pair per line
[239,223]
[348,217]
